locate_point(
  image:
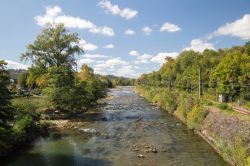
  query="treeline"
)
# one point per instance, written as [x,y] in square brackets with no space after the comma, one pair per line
[224,71]
[120,81]
[179,82]
[53,79]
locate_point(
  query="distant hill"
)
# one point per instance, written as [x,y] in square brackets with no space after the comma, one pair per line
[120,81]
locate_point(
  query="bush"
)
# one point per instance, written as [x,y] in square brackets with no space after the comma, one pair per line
[26,121]
[196,116]
[222,106]
[36,92]
[238,150]
[181,112]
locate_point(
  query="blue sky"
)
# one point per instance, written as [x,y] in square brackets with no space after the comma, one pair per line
[126,37]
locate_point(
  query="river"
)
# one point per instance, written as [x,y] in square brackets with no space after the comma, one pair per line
[127,131]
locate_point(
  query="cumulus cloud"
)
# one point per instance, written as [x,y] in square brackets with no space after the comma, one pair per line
[134,53]
[147,30]
[108,46]
[160,57]
[55,15]
[129,32]
[15,65]
[112,62]
[91,59]
[200,45]
[95,56]
[145,58]
[87,46]
[126,13]
[85,61]
[116,66]
[238,28]
[169,27]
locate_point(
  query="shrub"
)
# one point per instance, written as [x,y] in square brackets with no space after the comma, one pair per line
[171,102]
[36,92]
[196,116]
[26,121]
[238,151]
[222,106]
[185,105]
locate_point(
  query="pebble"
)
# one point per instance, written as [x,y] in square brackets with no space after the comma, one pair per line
[140,156]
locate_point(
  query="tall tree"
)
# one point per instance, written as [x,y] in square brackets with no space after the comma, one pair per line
[53,56]
[86,72]
[55,46]
[5,108]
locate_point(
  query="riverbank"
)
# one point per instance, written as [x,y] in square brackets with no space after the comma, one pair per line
[42,122]
[227,131]
[127,130]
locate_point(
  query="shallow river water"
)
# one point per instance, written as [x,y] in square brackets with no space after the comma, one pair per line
[128,131]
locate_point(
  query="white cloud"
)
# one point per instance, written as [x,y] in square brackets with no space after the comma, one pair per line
[169,27]
[238,28]
[55,15]
[129,32]
[126,13]
[15,65]
[145,58]
[116,66]
[109,46]
[160,57]
[199,45]
[110,63]
[147,30]
[87,46]
[103,30]
[85,61]
[91,59]
[134,53]
[95,56]
[126,71]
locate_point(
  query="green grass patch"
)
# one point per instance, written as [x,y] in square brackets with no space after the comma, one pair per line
[38,103]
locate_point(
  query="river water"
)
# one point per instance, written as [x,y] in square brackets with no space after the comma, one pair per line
[127,131]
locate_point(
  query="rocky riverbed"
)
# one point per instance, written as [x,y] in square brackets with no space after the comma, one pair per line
[125,131]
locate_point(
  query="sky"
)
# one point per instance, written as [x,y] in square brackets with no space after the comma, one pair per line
[126,37]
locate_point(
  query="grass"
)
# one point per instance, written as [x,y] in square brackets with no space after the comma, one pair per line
[40,102]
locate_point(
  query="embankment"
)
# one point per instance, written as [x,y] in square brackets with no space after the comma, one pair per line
[227,131]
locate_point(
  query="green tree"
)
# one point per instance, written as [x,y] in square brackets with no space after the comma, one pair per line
[55,46]
[232,73]
[85,73]
[22,79]
[53,56]
[5,106]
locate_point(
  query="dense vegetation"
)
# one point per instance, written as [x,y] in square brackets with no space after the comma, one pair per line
[224,71]
[18,123]
[50,85]
[188,85]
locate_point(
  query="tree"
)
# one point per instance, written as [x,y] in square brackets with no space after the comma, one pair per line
[5,108]
[53,57]
[86,72]
[232,73]
[55,46]
[22,79]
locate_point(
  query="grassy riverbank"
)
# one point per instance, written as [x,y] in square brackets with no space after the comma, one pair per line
[227,131]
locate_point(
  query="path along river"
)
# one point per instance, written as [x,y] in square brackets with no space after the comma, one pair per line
[127,131]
